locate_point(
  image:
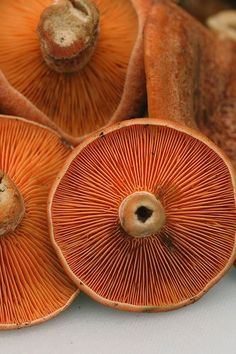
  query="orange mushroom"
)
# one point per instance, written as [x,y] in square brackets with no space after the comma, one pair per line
[80,62]
[222,128]
[148,205]
[190,74]
[33,285]
[224,24]
[142,215]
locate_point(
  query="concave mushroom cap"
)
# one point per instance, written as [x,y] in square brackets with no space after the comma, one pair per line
[109,87]
[33,285]
[191,74]
[112,190]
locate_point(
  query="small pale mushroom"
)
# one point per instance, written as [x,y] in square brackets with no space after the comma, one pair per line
[148,205]
[78,62]
[33,285]
[224,24]
[142,215]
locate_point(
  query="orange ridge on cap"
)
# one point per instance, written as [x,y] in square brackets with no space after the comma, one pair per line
[33,285]
[66,106]
[174,267]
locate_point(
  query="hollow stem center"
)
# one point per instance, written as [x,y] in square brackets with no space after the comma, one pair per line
[12,207]
[68,31]
[141,214]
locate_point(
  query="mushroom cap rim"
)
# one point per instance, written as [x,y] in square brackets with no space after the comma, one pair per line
[42,319]
[55,313]
[169,123]
[40,125]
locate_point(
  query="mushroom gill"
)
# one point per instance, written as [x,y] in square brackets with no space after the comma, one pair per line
[39,49]
[33,285]
[142,215]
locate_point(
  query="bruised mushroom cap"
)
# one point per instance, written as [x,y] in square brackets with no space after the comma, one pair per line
[33,285]
[109,87]
[112,190]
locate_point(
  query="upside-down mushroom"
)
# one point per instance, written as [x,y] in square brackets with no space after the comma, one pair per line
[191,74]
[33,285]
[80,62]
[142,215]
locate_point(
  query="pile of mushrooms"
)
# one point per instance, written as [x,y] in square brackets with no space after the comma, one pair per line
[137,211]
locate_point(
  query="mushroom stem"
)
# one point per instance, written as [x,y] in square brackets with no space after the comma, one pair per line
[224,23]
[68,31]
[12,207]
[141,214]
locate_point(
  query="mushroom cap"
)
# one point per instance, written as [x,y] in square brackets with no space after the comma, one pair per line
[78,103]
[33,285]
[195,184]
[191,74]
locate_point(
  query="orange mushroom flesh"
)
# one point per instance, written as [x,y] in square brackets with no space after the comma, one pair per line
[75,75]
[33,285]
[142,215]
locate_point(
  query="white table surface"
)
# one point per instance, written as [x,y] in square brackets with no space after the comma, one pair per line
[208,326]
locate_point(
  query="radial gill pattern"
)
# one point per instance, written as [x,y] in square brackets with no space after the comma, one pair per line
[33,285]
[166,269]
[76,102]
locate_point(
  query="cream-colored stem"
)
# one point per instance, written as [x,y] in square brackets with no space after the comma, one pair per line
[224,23]
[12,207]
[142,214]
[68,31]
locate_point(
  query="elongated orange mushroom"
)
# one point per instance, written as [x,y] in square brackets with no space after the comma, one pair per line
[80,62]
[222,128]
[143,215]
[33,285]
[191,74]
